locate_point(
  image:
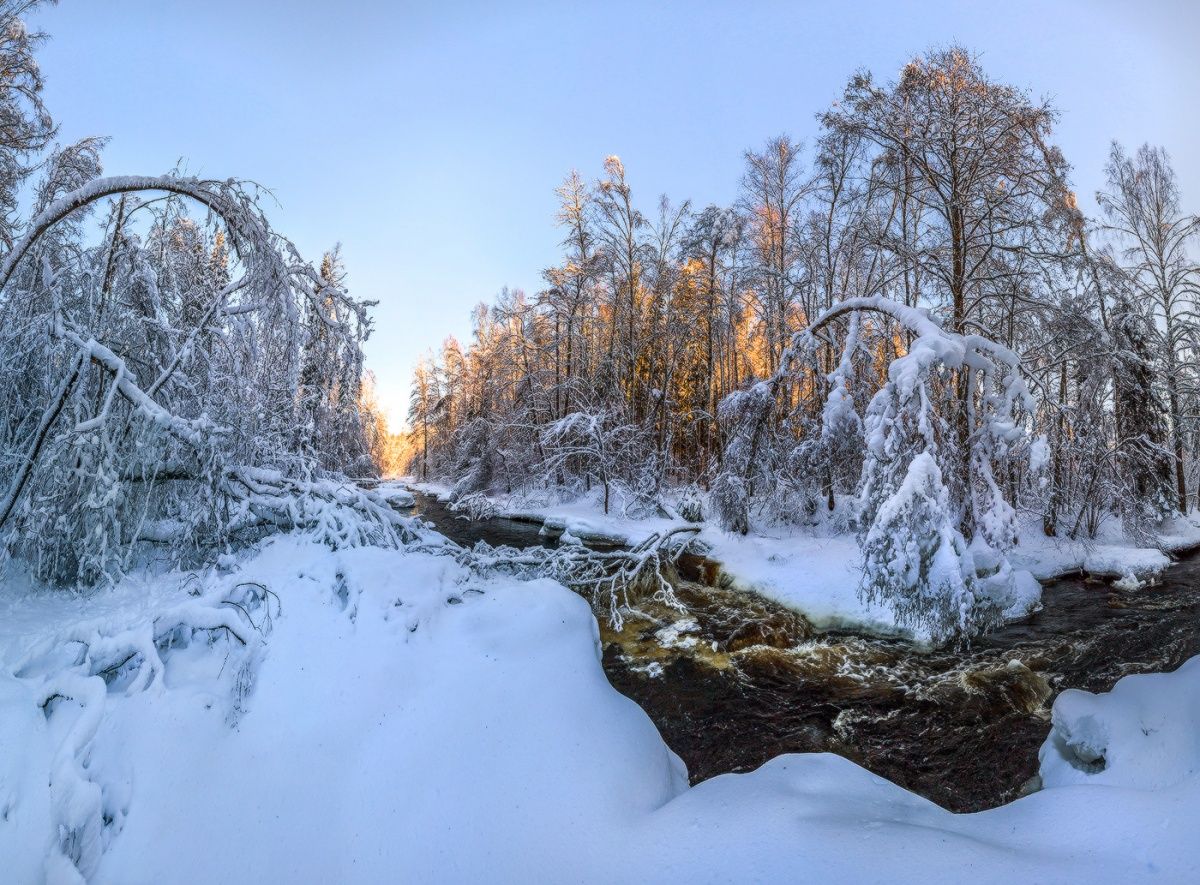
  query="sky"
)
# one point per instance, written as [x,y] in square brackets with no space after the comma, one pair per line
[428,138]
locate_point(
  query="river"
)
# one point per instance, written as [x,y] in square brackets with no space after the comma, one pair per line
[738,679]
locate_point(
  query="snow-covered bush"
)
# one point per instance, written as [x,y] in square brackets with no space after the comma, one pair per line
[691,505]
[599,447]
[745,414]
[916,560]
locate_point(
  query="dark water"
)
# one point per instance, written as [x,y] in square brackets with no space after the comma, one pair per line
[497,531]
[738,679]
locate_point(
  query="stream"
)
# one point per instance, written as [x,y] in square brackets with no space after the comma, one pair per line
[739,679]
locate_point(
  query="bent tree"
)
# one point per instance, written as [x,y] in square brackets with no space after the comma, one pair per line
[925,487]
[160,386]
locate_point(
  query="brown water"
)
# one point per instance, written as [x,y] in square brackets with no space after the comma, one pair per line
[738,679]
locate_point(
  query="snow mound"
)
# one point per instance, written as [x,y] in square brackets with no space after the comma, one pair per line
[396,495]
[1024,597]
[1116,562]
[1144,734]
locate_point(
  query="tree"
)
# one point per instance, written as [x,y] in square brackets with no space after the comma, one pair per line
[710,243]
[1142,212]
[620,227]
[422,405]
[971,179]
[572,295]
[973,154]
[26,127]
[772,190]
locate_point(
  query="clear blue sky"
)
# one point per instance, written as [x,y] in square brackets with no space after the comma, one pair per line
[428,137]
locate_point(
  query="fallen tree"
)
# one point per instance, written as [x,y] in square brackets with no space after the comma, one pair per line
[616,581]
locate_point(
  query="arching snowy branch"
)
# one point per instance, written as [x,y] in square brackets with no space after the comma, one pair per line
[951,407]
[217,196]
[177,364]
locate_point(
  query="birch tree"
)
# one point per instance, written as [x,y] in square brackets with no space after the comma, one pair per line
[1142,213]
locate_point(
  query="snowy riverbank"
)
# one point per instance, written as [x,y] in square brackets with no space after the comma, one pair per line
[816,573]
[398,719]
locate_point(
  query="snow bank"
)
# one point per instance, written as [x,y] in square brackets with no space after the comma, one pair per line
[1109,556]
[818,577]
[396,495]
[399,719]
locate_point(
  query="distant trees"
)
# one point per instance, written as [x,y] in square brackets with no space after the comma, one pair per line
[773,189]
[422,411]
[760,350]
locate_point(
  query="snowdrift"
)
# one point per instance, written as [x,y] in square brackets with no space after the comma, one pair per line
[370,715]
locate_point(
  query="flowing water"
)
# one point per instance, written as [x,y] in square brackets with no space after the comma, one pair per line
[738,679]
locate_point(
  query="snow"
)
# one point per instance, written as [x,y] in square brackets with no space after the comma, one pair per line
[1110,555]
[400,719]
[1039,455]
[817,576]
[1144,734]
[397,496]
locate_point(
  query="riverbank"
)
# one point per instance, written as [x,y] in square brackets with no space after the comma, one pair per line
[368,715]
[815,572]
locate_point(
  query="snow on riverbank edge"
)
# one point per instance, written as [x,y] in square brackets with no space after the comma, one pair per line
[403,719]
[818,576]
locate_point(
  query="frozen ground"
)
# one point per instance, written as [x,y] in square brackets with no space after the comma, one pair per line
[389,717]
[815,572]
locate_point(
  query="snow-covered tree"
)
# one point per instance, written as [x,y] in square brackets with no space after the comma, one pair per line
[1142,213]
[173,377]
[916,560]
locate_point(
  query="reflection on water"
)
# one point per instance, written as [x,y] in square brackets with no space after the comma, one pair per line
[738,679]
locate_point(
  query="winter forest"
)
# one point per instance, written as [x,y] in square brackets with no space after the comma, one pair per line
[908,328]
[860,509]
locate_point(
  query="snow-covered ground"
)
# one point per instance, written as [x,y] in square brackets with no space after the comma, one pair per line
[391,717]
[817,574]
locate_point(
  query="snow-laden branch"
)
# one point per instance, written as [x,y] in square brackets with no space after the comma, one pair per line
[341,513]
[932,345]
[222,198]
[194,433]
[615,580]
